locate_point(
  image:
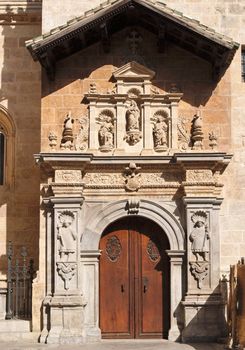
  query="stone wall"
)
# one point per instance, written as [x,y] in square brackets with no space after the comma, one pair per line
[20,96]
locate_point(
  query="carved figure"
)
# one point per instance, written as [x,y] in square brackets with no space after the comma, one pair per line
[160,132]
[67,135]
[66,234]
[133,133]
[197,133]
[199,236]
[106,132]
[132,116]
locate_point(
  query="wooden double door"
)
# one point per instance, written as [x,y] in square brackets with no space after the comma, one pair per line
[134,281]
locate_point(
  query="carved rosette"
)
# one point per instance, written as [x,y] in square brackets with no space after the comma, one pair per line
[199,271]
[113,248]
[66,271]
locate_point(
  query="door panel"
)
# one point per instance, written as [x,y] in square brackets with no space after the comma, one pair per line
[134,280]
[115,269]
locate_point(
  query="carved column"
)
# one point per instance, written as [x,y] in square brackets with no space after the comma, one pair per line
[64,303]
[204,314]
[148,139]
[90,283]
[120,133]
[93,137]
[176,294]
[174,124]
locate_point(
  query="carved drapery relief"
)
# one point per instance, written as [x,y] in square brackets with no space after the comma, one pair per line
[67,135]
[199,236]
[160,131]
[66,235]
[199,271]
[81,142]
[133,123]
[132,177]
[66,271]
[113,248]
[106,132]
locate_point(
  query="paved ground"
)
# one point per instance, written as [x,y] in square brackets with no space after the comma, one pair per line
[113,345]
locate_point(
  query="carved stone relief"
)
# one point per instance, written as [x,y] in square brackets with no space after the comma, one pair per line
[199,236]
[213,140]
[133,206]
[113,248]
[132,176]
[81,142]
[66,271]
[67,135]
[52,140]
[199,175]
[106,132]
[199,271]
[160,131]
[152,251]
[68,176]
[66,235]
[133,123]
[183,135]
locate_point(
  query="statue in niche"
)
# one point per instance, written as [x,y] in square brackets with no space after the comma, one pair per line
[160,132]
[67,135]
[133,133]
[66,235]
[106,131]
[199,236]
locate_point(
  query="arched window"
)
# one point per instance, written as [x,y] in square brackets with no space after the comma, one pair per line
[7,137]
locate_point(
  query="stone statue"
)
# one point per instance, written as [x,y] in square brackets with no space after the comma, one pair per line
[132,116]
[67,135]
[106,132]
[160,132]
[199,236]
[66,234]
[133,133]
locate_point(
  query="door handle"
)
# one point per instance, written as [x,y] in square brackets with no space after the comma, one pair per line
[145,284]
[122,288]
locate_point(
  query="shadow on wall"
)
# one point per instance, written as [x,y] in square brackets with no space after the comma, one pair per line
[204,321]
[20,94]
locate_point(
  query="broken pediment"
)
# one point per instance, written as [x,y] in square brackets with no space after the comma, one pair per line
[133,71]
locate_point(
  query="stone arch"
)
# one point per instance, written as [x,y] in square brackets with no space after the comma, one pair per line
[111,212]
[7,127]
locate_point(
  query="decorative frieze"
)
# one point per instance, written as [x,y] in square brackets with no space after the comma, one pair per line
[199,175]
[68,176]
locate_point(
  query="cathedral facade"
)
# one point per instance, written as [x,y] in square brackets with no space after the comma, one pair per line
[122,164]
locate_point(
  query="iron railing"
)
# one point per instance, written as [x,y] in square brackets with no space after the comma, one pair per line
[19,285]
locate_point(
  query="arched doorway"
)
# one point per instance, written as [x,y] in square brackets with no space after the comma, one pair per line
[134,280]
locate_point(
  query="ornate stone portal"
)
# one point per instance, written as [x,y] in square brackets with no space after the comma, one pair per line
[135,146]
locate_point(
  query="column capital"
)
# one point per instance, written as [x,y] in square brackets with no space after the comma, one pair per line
[176,256]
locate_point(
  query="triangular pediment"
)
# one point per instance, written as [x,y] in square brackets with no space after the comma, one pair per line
[133,71]
[100,23]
